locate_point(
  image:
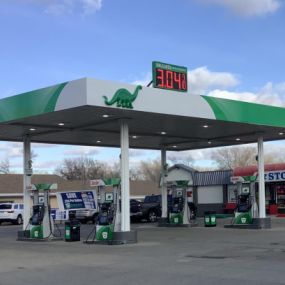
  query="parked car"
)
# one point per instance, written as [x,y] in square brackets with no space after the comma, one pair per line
[151,208]
[86,215]
[135,210]
[12,212]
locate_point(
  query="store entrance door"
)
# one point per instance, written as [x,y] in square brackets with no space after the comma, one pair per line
[280,197]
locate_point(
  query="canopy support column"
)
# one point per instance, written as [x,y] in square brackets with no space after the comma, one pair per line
[261,191]
[261,222]
[125,235]
[125,177]
[27,170]
[163,185]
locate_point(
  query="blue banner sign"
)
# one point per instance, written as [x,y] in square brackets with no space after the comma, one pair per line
[78,200]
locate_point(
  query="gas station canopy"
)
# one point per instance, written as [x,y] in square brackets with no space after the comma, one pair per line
[89,111]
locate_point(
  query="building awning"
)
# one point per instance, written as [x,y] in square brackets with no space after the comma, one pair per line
[251,170]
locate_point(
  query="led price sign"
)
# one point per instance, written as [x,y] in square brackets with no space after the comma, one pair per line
[168,76]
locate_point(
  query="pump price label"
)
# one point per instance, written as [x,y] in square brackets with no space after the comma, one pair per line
[168,76]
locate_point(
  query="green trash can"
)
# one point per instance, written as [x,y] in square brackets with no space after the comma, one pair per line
[210,219]
[72,231]
[207,219]
[213,219]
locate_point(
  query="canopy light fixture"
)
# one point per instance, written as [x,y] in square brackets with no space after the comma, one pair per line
[237,139]
[206,126]
[32,129]
[163,133]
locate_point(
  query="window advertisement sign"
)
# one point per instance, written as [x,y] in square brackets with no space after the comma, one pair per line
[77,200]
[232,193]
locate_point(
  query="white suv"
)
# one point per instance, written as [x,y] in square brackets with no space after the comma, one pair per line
[11,212]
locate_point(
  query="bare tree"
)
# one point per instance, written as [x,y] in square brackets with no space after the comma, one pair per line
[147,170]
[232,157]
[5,166]
[181,157]
[85,168]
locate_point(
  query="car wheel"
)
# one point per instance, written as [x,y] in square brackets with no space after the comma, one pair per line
[19,220]
[152,216]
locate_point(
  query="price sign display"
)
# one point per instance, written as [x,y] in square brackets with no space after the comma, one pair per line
[168,76]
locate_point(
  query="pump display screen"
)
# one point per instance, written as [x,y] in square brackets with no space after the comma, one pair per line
[168,76]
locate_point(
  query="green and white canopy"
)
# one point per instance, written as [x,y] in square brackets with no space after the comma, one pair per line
[92,109]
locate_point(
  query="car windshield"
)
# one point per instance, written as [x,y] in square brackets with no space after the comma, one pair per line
[5,206]
[152,199]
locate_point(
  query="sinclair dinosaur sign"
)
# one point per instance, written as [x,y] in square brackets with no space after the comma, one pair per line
[123,98]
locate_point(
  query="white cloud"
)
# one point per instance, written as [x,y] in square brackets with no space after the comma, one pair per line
[188,156]
[11,150]
[43,145]
[202,80]
[144,81]
[81,151]
[269,94]
[220,84]
[61,7]
[248,8]
[136,153]
[91,6]
[47,165]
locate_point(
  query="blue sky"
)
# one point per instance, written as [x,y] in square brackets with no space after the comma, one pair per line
[232,49]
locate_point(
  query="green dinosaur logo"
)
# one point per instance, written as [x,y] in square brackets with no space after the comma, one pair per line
[123,98]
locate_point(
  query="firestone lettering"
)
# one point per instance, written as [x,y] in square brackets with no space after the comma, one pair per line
[274,176]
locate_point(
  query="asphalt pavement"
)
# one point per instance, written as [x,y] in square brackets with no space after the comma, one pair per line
[195,255]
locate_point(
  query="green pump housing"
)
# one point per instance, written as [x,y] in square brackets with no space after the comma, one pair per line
[246,202]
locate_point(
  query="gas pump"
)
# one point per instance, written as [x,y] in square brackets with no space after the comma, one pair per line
[41,225]
[109,217]
[178,210]
[246,208]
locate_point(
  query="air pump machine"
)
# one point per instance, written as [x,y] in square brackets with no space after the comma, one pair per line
[41,225]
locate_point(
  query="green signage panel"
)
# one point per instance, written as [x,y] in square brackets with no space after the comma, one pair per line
[169,76]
